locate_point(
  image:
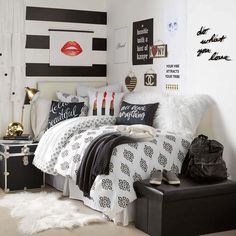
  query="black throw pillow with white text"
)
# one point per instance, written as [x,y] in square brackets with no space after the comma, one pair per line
[60,111]
[131,114]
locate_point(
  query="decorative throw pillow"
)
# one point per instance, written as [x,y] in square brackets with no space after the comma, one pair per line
[136,114]
[39,116]
[182,114]
[83,90]
[104,103]
[146,97]
[66,97]
[60,111]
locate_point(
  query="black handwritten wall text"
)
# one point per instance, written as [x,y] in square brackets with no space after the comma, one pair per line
[215,38]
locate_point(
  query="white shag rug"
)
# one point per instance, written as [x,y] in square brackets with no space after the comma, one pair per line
[41,211]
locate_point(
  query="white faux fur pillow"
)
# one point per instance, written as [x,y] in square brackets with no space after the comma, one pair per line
[182,114]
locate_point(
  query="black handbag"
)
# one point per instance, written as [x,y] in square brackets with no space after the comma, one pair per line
[204,160]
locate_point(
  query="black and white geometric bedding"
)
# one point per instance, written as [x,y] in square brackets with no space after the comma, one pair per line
[129,162]
[58,136]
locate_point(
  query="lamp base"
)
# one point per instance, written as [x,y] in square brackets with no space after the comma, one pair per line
[15,129]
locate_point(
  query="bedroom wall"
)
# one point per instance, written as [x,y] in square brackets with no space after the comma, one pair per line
[66,15]
[216,78]
[123,13]
[42,15]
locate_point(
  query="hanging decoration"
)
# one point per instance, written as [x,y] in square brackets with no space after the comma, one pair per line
[121,45]
[158,51]
[142,39]
[150,78]
[172,25]
[131,81]
[70,48]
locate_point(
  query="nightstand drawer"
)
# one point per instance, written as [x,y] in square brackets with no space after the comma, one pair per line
[16,169]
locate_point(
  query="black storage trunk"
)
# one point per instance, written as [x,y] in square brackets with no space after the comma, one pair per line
[188,210]
[16,169]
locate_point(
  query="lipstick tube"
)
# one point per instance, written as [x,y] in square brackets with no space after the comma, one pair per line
[104,103]
[95,105]
[112,104]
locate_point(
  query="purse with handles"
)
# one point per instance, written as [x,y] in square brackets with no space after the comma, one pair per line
[204,160]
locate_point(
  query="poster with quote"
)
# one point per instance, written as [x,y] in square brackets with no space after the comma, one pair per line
[142,40]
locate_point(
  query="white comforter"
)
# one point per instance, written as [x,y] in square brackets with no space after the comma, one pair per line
[61,150]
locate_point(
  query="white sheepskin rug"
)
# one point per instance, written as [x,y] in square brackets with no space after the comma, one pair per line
[41,211]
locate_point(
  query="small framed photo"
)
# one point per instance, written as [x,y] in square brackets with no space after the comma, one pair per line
[158,51]
[150,79]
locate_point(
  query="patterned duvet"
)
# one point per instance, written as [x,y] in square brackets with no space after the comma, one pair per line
[61,150]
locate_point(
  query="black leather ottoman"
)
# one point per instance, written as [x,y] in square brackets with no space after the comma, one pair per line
[187,210]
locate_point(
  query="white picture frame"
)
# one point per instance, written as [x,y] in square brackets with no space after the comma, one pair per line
[121,45]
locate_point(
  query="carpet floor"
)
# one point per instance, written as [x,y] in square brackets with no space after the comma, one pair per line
[8,226]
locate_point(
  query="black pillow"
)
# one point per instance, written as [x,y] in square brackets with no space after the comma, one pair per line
[131,114]
[60,111]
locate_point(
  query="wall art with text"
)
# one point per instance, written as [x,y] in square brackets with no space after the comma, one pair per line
[142,40]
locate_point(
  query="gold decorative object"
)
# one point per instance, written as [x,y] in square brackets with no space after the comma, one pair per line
[15,129]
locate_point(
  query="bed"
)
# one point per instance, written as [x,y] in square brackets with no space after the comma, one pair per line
[61,149]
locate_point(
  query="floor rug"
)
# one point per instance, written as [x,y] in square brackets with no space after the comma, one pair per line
[41,211]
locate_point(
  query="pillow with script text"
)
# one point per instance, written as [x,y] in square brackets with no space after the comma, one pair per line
[60,111]
[136,114]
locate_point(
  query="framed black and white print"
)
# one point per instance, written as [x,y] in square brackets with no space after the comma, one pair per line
[121,45]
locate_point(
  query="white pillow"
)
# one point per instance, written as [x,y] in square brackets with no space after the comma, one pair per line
[182,114]
[104,103]
[39,116]
[145,97]
[83,90]
[66,97]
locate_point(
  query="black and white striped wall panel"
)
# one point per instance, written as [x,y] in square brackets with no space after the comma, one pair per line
[84,15]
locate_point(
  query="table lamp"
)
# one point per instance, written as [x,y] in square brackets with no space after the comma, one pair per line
[16,128]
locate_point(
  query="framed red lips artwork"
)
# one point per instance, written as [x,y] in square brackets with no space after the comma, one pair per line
[70,48]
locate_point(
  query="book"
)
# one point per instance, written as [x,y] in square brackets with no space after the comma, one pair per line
[24,137]
[4,141]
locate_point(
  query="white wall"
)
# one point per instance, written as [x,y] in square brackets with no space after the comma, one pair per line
[123,13]
[33,27]
[41,28]
[216,78]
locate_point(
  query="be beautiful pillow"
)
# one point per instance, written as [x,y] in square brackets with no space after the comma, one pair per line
[60,111]
[136,114]
[65,97]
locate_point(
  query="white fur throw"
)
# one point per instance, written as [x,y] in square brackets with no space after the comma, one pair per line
[42,211]
[178,114]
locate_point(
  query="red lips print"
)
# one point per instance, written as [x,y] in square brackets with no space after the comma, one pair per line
[71,48]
